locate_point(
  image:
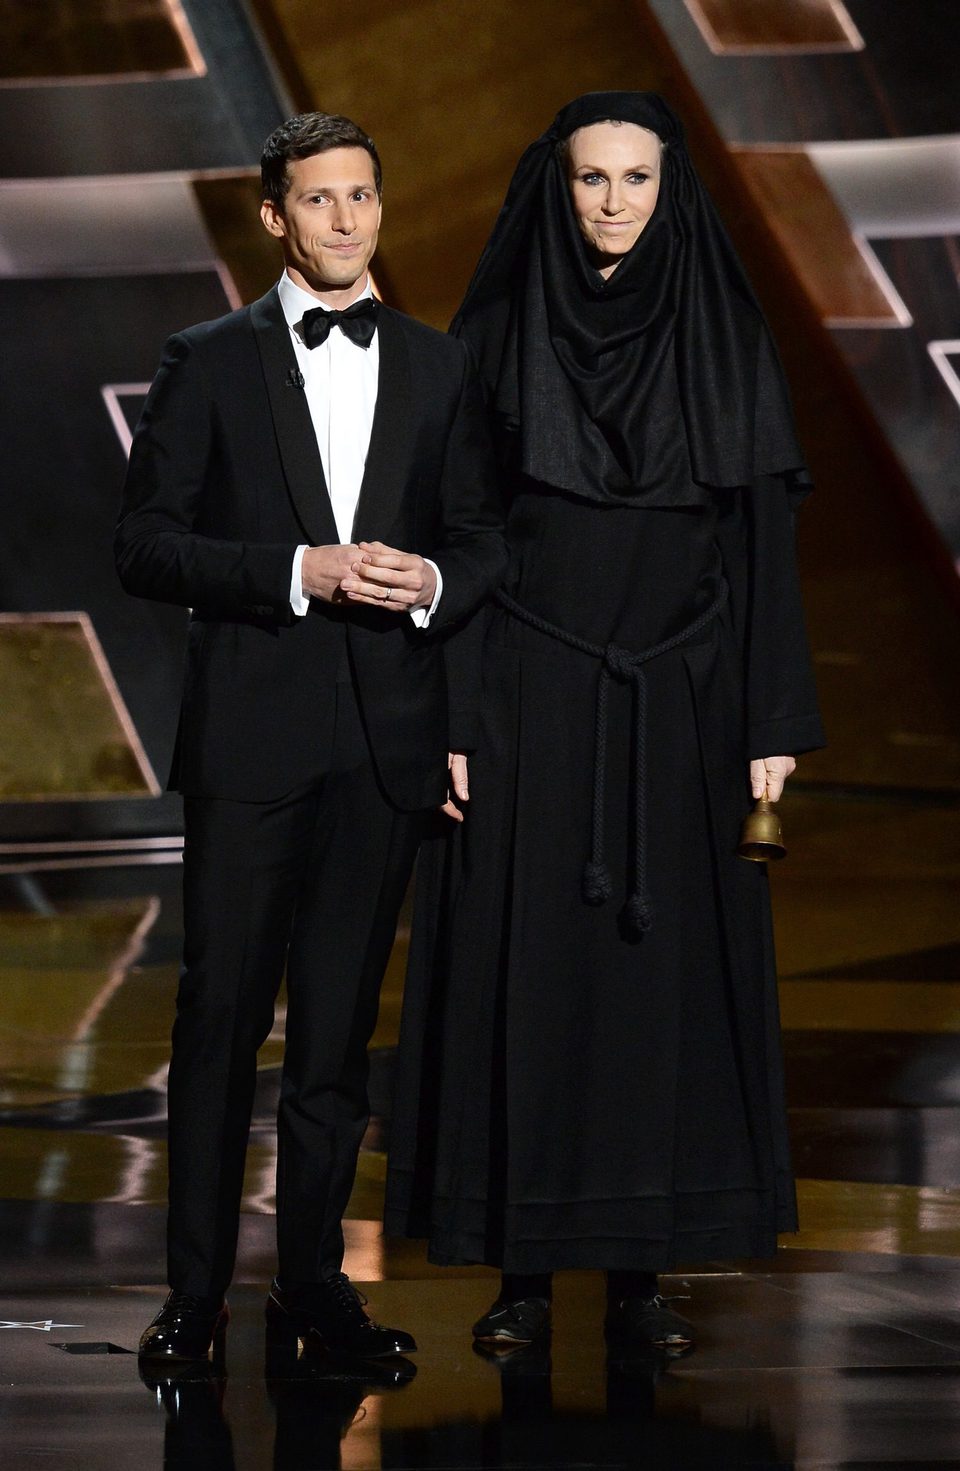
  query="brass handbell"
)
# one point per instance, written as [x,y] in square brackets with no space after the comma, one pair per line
[761,838]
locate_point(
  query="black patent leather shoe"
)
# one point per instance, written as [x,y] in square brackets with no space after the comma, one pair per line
[332,1312]
[186,1327]
[513,1323]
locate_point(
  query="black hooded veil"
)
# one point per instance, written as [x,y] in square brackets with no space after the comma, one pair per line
[599,1084]
[589,373]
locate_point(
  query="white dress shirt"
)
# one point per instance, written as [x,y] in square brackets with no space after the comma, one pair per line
[340,384]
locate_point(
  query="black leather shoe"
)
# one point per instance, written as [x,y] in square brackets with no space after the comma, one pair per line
[332,1311]
[509,1323]
[649,1322]
[186,1327]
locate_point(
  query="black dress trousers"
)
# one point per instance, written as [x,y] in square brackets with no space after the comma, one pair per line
[313,881]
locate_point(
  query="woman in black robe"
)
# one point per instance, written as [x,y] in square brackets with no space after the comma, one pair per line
[589,1071]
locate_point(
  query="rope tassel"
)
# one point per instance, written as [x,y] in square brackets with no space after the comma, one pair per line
[636,916]
[597,885]
[637,913]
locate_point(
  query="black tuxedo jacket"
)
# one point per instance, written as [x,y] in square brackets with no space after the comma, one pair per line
[225,481]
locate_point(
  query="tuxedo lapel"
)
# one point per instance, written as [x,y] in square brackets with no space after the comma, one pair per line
[385,471]
[296,439]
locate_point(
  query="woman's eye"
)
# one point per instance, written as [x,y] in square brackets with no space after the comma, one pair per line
[591,178]
[639,178]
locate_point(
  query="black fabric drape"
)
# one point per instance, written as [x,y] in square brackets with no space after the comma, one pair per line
[586,374]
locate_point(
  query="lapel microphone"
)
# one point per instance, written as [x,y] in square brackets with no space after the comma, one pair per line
[295,379]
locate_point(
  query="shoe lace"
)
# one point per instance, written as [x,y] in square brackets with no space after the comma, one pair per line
[659,1305]
[348,1297]
[515,1310]
[656,1302]
[188,1302]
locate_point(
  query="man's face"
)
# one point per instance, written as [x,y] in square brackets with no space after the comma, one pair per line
[330,219]
[613,170]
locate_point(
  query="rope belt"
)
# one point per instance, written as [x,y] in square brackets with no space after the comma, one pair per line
[619,663]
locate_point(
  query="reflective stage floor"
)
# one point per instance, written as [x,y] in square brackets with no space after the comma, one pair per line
[843,1351]
[794,1370]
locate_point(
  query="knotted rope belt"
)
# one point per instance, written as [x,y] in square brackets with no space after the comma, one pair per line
[597,885]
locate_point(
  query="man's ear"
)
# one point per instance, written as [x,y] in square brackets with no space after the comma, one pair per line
[273,219]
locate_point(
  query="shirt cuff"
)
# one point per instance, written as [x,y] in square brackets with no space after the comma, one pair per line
[298,602]
[422,616]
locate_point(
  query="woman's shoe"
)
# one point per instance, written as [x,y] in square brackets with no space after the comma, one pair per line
[650,1322]
[511,1323]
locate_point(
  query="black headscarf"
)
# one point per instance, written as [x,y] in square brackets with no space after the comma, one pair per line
[609,384]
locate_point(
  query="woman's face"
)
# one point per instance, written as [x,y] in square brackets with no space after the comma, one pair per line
[614,174]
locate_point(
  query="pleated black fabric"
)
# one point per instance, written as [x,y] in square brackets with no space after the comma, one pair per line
[571,1093]
[651,385]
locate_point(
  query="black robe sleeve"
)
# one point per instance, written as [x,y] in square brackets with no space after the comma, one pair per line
[757,543]
[463,659]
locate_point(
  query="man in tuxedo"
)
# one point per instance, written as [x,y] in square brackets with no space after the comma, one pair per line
[312,477]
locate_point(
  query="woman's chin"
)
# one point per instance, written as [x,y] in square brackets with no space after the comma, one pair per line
[607,259]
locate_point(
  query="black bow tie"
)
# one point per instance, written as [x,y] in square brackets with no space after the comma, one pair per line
[358,322]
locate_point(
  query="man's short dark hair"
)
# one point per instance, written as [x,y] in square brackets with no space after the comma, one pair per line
[303,136]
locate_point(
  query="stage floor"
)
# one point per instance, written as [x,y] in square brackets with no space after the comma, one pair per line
[843,1351]
[807,1369]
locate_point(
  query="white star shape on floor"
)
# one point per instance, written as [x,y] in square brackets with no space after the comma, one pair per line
[40,1325]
